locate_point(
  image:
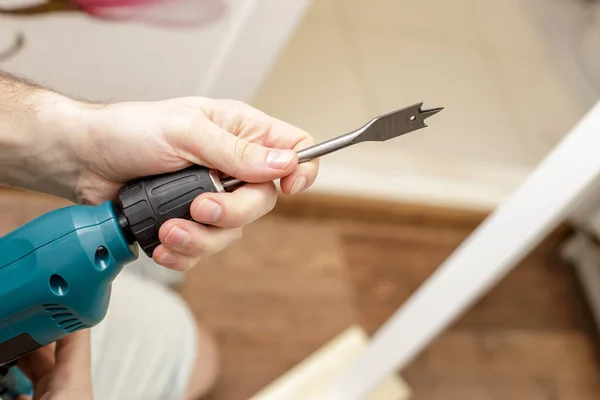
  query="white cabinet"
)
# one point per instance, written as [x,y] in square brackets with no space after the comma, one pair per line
[109,61]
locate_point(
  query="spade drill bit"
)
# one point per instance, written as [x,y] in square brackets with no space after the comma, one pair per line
[379,129]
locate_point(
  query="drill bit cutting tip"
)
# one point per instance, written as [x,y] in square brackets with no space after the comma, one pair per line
[379,129]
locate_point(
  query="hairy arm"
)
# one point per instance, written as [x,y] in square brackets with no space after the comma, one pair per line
[85,152]
[37,132]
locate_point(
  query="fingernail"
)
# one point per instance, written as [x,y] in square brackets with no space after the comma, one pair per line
[178,237]
[298,185]
[208,211]
[168,258]
[280,159]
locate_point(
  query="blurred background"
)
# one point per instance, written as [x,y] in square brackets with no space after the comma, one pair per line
[514,78]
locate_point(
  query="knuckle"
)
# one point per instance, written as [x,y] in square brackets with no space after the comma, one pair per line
[241,149]
[236,216]
[239,108]
[202,245]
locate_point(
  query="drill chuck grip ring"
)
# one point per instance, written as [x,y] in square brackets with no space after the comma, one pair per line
[145,204]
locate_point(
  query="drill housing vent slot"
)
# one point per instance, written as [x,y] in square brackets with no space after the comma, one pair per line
[64,318]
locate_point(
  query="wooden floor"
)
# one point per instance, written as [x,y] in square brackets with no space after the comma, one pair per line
[314,267]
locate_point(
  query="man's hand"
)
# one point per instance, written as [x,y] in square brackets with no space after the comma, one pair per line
[85,152]
[60,371]
[129,140]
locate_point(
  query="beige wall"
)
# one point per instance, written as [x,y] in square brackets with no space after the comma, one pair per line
[507,103]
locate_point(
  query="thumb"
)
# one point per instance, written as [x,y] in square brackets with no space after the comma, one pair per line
[235,156]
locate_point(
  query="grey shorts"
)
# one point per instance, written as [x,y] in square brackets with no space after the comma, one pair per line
[145,348]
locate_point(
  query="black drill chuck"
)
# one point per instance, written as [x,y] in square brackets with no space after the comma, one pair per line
[145,204]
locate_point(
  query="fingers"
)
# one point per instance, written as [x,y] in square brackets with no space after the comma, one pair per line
[201,241]
[236,209]
[68,360]
[242,142]
[185,242]
[73,365]
[73,351]
[304,175]
[38,363]
[247,122]
[233,155]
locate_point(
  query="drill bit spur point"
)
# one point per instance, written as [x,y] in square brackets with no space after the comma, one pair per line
[379,129]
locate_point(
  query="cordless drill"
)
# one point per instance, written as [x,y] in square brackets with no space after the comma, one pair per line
[56,271]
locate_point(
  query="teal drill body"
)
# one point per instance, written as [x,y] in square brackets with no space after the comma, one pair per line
[56,273]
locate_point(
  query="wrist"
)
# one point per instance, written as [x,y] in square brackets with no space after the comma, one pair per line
[39,142]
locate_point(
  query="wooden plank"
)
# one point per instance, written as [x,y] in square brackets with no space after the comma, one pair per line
[308,379]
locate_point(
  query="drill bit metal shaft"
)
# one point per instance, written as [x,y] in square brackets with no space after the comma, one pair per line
[379,129]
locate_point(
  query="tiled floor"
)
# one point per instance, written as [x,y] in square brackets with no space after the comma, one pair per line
[505,103]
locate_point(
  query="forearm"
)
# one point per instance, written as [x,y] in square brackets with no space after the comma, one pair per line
[37,131]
